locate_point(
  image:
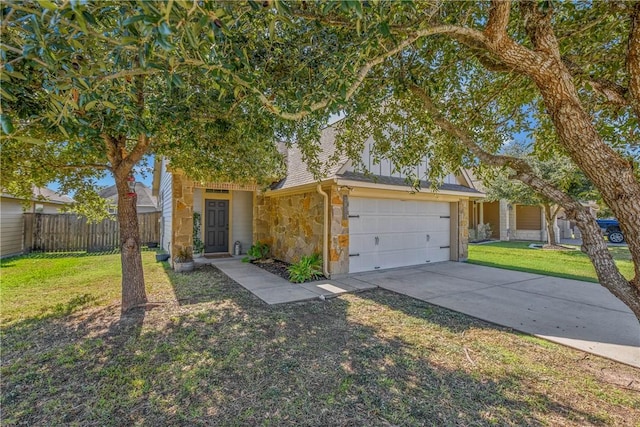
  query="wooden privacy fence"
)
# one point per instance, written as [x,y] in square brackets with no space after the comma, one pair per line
[70,233]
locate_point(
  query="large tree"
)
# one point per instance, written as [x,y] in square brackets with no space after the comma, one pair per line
[90,88]
[456,81]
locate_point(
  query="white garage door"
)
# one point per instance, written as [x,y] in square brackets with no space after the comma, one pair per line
[386,233]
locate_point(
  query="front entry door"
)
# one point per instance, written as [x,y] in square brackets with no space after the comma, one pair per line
[217,226]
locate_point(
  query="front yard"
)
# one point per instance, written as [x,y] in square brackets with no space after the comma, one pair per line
[207,352]
[571,264]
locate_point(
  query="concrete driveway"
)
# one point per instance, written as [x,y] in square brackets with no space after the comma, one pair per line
[578,314]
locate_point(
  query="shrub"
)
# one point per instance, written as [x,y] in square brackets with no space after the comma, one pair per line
[256,252]
[184,254]
[309,267]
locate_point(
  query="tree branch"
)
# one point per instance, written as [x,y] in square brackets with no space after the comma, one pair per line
[524,171]
[499,12]
[86,166]
[608,273]
[633,60]
[614,93]
[452,30]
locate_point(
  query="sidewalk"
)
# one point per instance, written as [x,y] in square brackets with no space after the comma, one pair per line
[273,289]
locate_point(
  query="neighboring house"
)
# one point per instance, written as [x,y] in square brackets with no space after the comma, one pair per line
[12,219]
[357,222]
[513,221]
[146,201]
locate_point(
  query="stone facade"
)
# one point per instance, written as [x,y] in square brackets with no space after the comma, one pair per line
[463,230]
[291,225]
[338,231]
[182,218]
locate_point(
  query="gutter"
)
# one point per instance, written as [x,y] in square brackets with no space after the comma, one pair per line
[325,229]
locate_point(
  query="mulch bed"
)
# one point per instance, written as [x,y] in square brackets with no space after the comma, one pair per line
[279,268]
[274,266]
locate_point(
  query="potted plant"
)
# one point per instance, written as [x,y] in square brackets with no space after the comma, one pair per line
[183,261]
[162,256]
[198,245]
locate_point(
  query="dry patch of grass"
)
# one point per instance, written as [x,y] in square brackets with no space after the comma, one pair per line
[208,352]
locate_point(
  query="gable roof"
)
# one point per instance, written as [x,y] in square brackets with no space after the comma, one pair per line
[333,166]
[394,180]
[44,194]
[297,171]
[145,198]
[40,193]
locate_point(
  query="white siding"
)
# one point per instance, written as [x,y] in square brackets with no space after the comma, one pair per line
[385,167]
[11,227]
[242,211]
[165,202]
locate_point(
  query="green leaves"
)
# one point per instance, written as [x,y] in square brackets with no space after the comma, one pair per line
[7,125]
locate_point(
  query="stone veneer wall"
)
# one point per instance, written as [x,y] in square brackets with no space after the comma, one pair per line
[463,230]
[338,232]
[182,218]
[291,225]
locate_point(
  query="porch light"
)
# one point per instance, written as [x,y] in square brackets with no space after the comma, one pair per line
[131,181]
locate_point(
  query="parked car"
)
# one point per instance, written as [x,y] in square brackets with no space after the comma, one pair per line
[611,229]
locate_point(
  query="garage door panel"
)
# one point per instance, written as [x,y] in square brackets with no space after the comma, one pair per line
[409,233]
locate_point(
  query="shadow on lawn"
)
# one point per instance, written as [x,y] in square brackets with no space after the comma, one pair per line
[222,357]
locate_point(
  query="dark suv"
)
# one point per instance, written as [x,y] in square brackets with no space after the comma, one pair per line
[611,229]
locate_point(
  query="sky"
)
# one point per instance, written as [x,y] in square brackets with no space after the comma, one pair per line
[146,178]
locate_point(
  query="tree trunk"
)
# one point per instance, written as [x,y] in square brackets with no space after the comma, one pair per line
[610,172]
[133,288]
[594,245]
[549,218]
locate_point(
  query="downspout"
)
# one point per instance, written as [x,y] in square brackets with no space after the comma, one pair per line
[325,229]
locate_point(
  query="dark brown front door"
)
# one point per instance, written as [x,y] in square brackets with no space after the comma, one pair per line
[217,226]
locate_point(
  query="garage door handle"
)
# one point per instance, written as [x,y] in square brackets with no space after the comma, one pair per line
[445,247]
[377,240]
[428,237]
[350,255]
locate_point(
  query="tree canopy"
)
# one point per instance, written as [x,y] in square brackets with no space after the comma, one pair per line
[455,81]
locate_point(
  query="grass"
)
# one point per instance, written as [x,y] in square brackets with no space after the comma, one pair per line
[571,264]
[43,285]
[207,352]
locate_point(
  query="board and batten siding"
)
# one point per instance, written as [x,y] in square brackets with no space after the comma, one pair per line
[11,227]
[242,224]
[165,202]
[385,167]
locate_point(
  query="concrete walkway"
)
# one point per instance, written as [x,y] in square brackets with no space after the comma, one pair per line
[578,314]
[273,289]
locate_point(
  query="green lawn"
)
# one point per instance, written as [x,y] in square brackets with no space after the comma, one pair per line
[56,284]
[207,352]
[571,264]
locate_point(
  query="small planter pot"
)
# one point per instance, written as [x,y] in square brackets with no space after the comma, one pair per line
[162,257]
[183,267]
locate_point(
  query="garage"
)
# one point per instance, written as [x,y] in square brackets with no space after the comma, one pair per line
[388,233]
